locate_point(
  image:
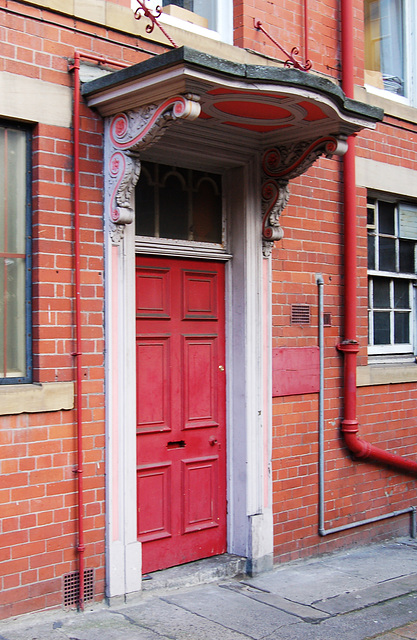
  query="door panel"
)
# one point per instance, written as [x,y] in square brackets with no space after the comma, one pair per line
[181,448]
[152,355]
[154,514]
[199,385]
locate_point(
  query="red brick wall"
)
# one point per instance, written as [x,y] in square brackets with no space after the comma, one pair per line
[38,486]
[354,490]
[387,414]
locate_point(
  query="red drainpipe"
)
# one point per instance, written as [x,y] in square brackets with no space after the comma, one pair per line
[78,323]
[350,347]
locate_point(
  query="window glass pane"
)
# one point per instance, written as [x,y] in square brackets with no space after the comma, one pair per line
[185,4]
[382,327]
[407,256]
[2,316]
[15,154]
[2,188]
[180,204]
[381,293]
[371,251]
[207,207]
[401,327]
[14,260]
[386,254]
[145,205]
[384,44]
[15,317]
[203,8]
[173,206]
[370,219]
[401,294]
[386,218]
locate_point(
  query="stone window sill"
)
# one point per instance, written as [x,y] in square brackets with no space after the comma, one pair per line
[36,398]
[371,375]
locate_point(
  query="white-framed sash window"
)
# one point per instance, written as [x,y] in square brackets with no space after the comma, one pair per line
[392,280]
[390,48]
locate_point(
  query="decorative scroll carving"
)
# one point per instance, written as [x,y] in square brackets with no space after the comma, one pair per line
[124,168]
[284,163]
[275,196]
[127,134]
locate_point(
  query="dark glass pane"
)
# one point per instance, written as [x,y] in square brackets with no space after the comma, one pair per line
[407,264]
[371,251]
[401,327]
[381,327]
[173,208]
[185,4]
[381,293]
[145,205]
[401,294]
[207,211]
[386,211]
[386,254]
[370,216]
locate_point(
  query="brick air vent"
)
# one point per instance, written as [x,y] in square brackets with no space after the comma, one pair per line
[72,587]
[300,314]
[327,319]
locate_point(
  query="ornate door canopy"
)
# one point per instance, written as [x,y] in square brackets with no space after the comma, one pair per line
[220,113]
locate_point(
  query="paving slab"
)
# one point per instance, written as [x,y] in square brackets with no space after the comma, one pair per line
[359,625]
[305,613]
[312,581]
[376,564]
[306,585]
[229,609]
[369,596]
[174,622]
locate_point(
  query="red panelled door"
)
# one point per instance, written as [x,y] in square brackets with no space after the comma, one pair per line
[181,448]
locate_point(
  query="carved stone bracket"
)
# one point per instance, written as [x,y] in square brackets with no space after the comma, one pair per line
[284,163]
[275,196]
[127,134]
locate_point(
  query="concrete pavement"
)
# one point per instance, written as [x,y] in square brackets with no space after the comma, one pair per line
[367,592]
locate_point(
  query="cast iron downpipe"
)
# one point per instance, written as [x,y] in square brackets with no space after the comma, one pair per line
[77,327]
[350,347]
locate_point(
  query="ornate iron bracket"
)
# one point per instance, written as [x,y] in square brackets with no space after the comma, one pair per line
[143,10]
[291,60]
[284,163]
[127,134]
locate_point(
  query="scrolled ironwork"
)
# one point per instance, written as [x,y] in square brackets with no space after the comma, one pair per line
[144,10]
[291,60]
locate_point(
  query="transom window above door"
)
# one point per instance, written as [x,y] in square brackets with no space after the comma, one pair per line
[179,204]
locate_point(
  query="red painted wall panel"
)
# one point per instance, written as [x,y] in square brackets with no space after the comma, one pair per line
[295,371]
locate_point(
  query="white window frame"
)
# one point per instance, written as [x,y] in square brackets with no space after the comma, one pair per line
[410,52]
[399,349]
[20,289]
[224,21]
